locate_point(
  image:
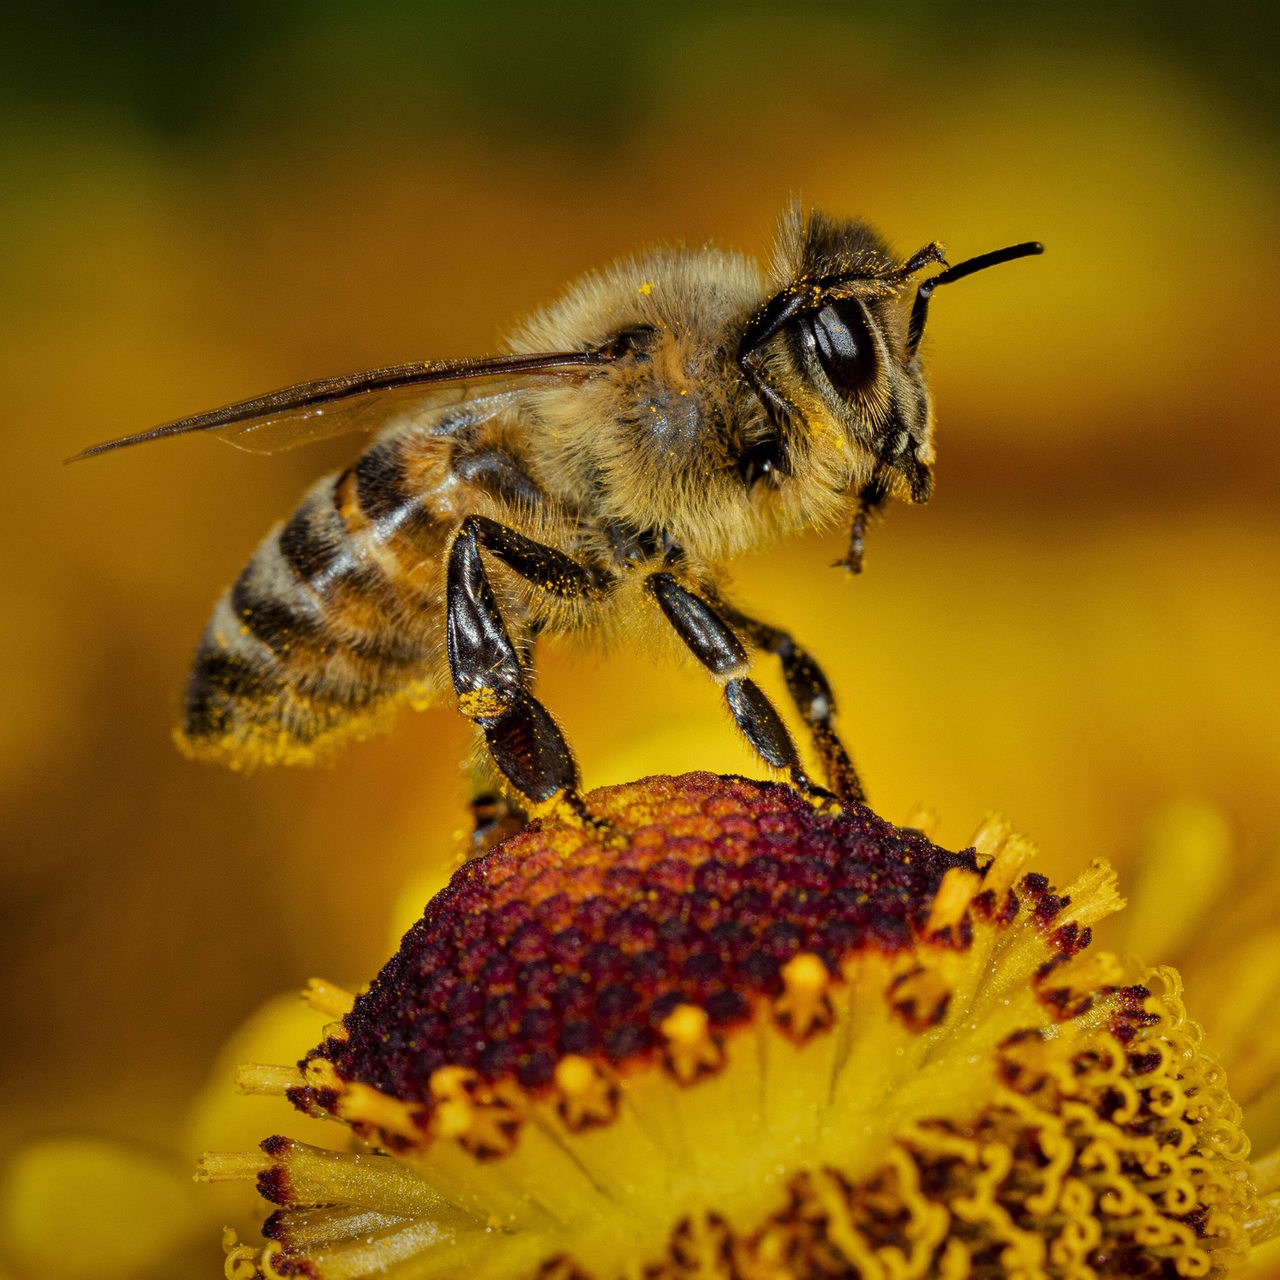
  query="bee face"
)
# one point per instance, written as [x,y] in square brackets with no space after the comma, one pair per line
[833,357]
[741,407]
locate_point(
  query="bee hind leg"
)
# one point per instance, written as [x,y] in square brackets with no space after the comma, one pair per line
[489,677]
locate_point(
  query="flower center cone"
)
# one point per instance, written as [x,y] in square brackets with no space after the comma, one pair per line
[759,1040]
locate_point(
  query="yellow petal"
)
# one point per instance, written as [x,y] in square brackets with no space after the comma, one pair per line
[89,1208]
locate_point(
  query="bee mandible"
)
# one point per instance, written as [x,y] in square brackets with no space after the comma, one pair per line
[662,417]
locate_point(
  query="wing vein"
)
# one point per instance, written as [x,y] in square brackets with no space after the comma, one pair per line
[308,400]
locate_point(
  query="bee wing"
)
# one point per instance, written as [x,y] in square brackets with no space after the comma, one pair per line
[363,401]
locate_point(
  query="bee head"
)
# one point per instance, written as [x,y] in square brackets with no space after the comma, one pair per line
[833,356]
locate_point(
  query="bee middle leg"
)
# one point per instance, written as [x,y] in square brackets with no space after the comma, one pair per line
[711,639]
[489,677]
[811,693]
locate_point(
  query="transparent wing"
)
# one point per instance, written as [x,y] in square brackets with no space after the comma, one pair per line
[363,401]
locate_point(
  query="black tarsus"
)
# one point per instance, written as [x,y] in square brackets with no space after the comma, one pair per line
[482,658]
[871,497]
[527,745]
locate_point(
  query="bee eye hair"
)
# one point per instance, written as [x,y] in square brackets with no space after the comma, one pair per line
[842,340]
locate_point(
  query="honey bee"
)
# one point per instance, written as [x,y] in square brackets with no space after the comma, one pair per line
[662,417]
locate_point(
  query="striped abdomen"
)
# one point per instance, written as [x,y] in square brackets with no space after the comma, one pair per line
[337,618]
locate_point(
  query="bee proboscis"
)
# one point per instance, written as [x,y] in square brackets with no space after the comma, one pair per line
[663,417]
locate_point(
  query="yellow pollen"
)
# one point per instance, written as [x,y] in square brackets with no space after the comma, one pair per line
[327,998]
[575,1076]
[320,1074]
[449,1084]
[482,704]
[484,1119]
[452,1119]
[955,893]
[363,1104]
[588,1096]
[804,1004]
[268,1081]
[1005,852]
[691,1051]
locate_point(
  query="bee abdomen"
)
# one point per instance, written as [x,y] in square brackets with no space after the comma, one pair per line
[333,622]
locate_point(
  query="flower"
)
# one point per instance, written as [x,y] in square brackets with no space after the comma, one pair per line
[762,1039]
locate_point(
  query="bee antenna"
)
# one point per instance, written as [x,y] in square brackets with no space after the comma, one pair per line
[920,308]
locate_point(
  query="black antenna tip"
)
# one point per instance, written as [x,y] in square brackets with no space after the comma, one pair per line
[920,308]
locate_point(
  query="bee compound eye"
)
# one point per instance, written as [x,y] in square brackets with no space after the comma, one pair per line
[843,342]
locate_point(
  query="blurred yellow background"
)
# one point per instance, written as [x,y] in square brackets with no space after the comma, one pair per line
[200,205]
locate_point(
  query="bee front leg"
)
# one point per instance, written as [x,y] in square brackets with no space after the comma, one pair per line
[489,677]
[871,498]
[811,693]
[712,641]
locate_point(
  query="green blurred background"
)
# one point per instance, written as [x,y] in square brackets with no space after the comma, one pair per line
[203,202]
